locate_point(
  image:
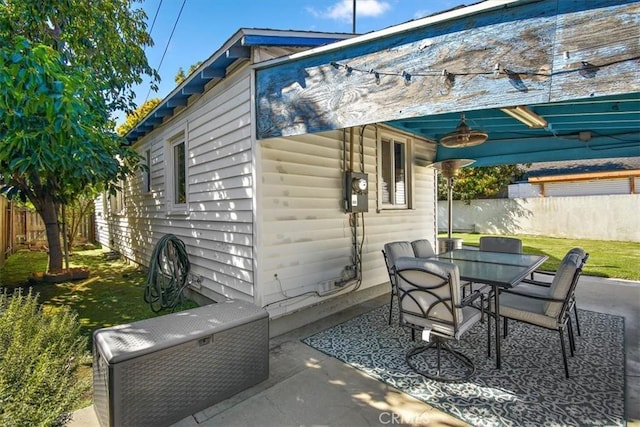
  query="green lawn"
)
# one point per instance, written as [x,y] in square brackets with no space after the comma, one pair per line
[112,295]
[618,260]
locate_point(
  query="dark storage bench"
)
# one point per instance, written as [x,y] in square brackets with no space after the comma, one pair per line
[157,371]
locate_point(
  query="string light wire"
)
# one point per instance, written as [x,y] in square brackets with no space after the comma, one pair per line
[175,24]
[587,69]
[153,23]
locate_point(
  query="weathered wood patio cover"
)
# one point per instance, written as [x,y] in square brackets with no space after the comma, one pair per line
[574,63]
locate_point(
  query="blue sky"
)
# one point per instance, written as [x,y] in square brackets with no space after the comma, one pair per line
[204,25]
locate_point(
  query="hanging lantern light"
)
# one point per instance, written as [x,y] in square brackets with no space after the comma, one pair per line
[463,136]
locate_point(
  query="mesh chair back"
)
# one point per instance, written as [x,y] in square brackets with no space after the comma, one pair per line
[501,244]
[422,248]
[429,295]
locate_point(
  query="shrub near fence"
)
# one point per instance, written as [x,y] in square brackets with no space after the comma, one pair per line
[40,352]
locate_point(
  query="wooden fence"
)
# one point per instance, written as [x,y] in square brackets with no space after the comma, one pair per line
[23,228]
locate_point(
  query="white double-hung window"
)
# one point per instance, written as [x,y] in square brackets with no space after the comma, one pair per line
[116,199]
[146,173]
[394,188]
[177,171]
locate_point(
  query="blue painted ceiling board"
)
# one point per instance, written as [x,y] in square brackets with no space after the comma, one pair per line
[610,127]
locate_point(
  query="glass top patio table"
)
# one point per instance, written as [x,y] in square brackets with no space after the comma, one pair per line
[492,268]
[499,270]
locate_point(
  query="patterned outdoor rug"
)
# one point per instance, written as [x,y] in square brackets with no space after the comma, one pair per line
[530,389]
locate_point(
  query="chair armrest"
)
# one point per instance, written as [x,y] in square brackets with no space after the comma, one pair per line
[470,298]
[536,283]
[526,295]
[544,273]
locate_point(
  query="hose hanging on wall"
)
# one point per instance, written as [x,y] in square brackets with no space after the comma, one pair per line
[168,271]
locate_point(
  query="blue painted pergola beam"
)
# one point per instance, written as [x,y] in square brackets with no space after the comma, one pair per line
[574,61]
[177,101]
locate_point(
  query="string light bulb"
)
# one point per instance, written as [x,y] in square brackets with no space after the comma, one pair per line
[376,75]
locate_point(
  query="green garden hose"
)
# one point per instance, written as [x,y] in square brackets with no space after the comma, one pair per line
[168,272]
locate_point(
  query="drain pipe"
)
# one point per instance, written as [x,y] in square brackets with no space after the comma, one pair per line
[350,150]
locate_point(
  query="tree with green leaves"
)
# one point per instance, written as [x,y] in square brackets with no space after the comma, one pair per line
[138,114]
[181,75]
[481,182]
[65,67]
[75,214]
[134,117]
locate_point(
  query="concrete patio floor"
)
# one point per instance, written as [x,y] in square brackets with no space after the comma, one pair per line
[306,387]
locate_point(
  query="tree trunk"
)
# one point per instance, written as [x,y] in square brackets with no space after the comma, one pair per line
[65,237]
[78,215]
[49,215]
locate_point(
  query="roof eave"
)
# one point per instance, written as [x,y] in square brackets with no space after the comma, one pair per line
[237,47]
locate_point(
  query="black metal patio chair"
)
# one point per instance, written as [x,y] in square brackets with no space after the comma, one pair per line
[392,252]
[422,248]
[541,280]
[550,310]
[430,302]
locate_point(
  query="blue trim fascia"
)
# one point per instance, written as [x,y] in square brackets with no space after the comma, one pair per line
[292,41]
[216,70]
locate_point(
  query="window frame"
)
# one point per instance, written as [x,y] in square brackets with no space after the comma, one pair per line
[172,185]
[117,202]
[393,139]
[146,173]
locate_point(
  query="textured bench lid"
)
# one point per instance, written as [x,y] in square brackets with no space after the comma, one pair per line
[124,342]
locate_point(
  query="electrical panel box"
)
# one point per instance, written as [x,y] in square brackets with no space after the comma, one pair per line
[160,370]
[356,188]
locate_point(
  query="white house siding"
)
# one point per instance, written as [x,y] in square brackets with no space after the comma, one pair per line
[217,227]
[591,187]
[524,190]
[304,235]
[295,237]
[100,221]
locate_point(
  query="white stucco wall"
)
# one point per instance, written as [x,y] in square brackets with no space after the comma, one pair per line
[613,217]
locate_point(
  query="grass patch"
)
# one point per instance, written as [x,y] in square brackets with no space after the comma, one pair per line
[606,258]
[112,295]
